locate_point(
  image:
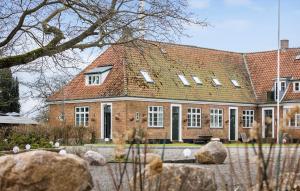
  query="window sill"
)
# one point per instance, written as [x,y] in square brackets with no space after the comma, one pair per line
[247,127]
[216,127]
[194,128]
[156,127]
[92,85]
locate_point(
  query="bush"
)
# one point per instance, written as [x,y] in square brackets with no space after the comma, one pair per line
[71,135]
[36,136]
[40,136]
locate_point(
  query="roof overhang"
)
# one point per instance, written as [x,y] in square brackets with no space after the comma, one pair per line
[99,70]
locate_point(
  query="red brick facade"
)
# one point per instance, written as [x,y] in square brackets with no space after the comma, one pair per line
[123,118]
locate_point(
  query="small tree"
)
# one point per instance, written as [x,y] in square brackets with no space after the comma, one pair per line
[9,92]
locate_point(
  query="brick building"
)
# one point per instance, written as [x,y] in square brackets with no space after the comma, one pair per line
[179,92]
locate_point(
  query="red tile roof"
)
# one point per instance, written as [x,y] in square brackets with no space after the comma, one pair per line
[113,85]
[164,61]
[263,71]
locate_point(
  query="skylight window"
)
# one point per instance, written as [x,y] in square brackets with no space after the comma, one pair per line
[297,57]
[197,80]
[216,82]
[146,76]
[235,83]
[184,80]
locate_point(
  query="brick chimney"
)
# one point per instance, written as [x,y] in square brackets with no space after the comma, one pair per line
[284,44]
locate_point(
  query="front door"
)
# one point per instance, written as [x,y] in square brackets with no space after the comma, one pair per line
[233,124]
[176,121]
[268,123]
[107,121]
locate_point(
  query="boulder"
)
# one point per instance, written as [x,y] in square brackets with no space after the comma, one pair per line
[176,177]
[212,153]
[149,157]
[94,158]
[44,170]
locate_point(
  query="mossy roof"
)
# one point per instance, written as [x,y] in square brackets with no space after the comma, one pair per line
[164,62]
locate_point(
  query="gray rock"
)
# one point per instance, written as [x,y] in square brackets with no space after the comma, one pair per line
[44,170]
[176,177]
[94,158]
[212,153]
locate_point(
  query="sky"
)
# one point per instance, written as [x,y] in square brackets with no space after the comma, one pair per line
[244,25]
[234,25]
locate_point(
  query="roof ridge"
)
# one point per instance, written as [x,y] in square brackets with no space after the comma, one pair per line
[274,50]
[193,46]
[220,50]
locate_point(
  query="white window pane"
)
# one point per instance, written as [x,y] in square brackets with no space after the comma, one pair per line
[216,82]
[197,80]
[183,80]
[147,77]
[235,83]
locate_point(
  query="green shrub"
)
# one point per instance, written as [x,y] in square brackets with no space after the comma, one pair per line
[36,136]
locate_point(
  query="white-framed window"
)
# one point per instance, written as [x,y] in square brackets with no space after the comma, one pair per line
[248,118]
[197,80]
[295,121]
[94,79]
[194,117]
[216,82]
[82,116]
[282,86]
[183,80]
[296,86]
[96,76]
[155,116]
[216,118]
[235,83]
[146,76]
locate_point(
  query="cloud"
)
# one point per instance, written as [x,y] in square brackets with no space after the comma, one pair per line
[199,4]
[237,2]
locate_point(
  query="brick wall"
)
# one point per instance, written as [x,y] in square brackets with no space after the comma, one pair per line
[123,118]
[69,108]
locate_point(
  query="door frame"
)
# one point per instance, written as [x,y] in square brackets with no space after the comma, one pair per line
[263,121]
[102,120]
[180,122]
[236,123]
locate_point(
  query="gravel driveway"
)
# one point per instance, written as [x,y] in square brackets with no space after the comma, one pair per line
[223,173]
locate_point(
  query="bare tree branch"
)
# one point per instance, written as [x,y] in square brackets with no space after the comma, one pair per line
[44,28]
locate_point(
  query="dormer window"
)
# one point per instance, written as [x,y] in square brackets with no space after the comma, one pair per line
[297,57]
[183,80]
[296,86]
[216,82]
[94,79]
[146,76]
[97,75]
[197,80]
[235,83]
[282,88]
